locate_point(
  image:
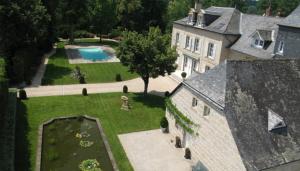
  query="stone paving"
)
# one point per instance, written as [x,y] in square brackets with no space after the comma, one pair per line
[157,86]
[153,151]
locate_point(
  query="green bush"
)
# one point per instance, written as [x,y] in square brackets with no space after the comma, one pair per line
[115,33]
[167,94]
[125,89]
[3,87]
[118,77]
[183,75]
[164,122]
[83,34]
[22,94]
[84,92]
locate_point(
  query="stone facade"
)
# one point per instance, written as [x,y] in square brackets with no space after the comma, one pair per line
[200,57]
[212,143]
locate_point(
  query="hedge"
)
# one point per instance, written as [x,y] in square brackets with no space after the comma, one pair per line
[3,88]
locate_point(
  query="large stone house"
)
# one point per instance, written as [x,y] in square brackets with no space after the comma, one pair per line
[207,37]
[240,115]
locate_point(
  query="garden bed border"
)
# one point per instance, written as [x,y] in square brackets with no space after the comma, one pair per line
[40,140]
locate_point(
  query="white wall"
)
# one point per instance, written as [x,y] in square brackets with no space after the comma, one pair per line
[214,145]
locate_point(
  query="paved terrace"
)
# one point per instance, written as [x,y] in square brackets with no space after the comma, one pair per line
[154,151]
[157,86]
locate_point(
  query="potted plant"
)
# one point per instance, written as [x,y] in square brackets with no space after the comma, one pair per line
[164,125]
[183,75]
[187,154]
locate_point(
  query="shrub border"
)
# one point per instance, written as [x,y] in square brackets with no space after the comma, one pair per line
[40,140]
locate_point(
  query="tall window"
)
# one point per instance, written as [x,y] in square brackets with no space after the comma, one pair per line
[195,102]
[177,39]
[187,42]
[206,111]
[211,50]
[194,65]
[280,47]
[196,45]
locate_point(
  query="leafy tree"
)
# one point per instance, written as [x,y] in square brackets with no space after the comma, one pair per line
[102,16]
[127,12]
[177,9]
[281,7]
[148,55]
[70,15]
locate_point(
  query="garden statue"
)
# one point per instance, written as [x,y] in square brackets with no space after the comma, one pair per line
[125,104]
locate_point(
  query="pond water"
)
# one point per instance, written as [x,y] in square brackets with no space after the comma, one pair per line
[69,142]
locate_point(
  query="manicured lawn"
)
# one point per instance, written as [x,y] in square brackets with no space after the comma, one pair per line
[58,71]
[145,115]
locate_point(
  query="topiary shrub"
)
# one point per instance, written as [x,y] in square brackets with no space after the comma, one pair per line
[118,77]
[177,142]
[183,75]
[84,92]
[22,94]
[164,124]
[187,154]
[167,94]
[82,79]
[125,89]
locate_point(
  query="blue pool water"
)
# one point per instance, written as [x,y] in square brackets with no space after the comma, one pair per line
[93,54]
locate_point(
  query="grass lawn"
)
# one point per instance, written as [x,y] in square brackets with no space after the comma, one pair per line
[145,115]
[58,71]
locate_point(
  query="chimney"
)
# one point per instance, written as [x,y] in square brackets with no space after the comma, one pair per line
[198,5]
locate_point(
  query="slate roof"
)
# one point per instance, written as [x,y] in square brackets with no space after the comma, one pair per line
[227,23]
[249,25]
[293,19]
[210,85]
[246,90]
[253,87]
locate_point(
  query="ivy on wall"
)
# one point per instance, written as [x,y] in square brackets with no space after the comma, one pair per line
[180,118]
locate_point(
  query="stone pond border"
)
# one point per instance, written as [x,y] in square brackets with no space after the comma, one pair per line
[40,140]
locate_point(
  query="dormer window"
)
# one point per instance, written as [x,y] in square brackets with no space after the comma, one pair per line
[280,47]
[258,43]
[275,121]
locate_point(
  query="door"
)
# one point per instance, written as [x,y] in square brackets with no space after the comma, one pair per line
[187,65]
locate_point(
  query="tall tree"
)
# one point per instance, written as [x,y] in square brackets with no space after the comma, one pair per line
[128,12]
[102,17]
[70,15]
[281,7]
[177,9]
[148,55]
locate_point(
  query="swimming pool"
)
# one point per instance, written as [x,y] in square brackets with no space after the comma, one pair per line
[93,54]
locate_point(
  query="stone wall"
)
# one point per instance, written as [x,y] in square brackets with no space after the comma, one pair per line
[212,144]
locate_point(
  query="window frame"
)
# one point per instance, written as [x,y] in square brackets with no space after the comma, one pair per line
[194,102]
[211,50]
[206,110]
[196,45]
[280,47]
[177,38]
[187,42]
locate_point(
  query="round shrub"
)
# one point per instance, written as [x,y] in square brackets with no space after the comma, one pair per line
[187,154]
[183,75]
[125,89]
[82,80]
[84,92]
[22,94]
[118,77]
[177,142]
[164,122]
[167,94]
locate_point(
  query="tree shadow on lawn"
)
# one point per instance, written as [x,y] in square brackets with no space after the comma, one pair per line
[150,100]
[22,151]
[54,72]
